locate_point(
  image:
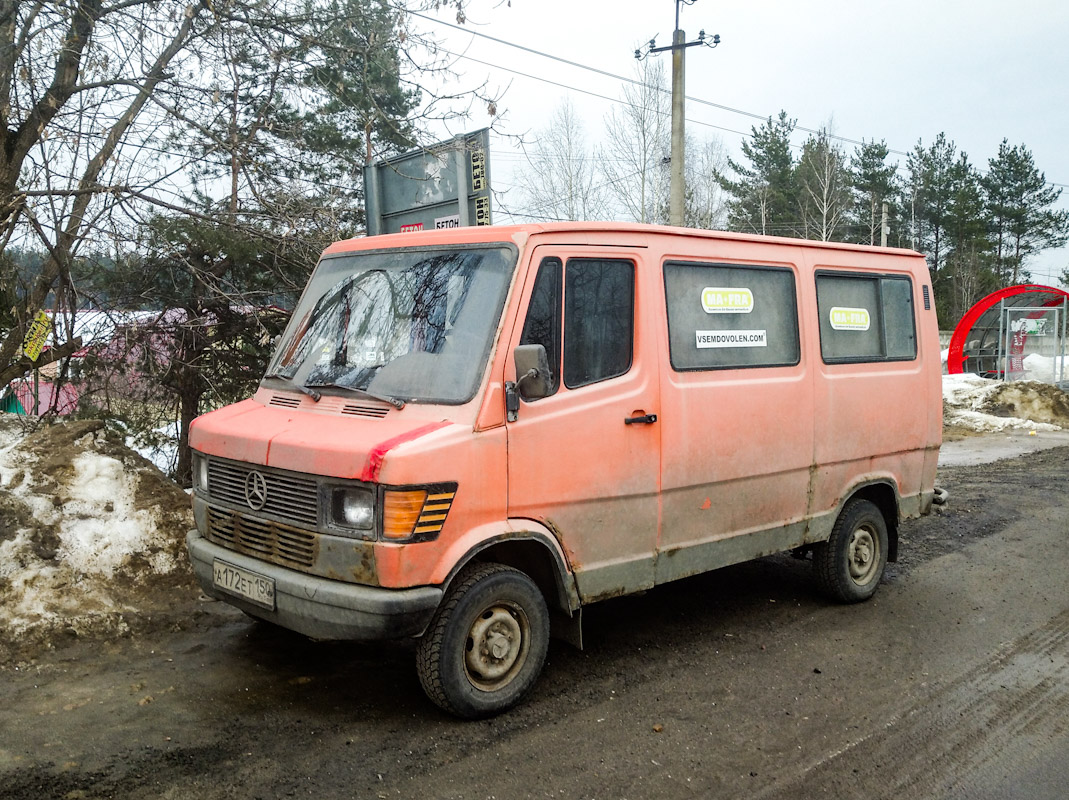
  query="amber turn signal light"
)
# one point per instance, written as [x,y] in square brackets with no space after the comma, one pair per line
[416,514]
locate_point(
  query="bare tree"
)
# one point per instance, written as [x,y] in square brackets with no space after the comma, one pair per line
[114,110]
[75,77]
[637,145]
[559,181]
[706,205]
[194,159]
[824,194]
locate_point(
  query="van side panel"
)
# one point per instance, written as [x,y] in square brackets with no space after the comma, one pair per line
[738,447]
[873,420]
[737,444]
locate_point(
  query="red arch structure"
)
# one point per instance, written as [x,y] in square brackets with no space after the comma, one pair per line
[976,336]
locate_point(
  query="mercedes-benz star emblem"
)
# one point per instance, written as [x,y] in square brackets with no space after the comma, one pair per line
[255,490]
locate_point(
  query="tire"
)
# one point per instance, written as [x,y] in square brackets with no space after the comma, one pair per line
[849,566]
[486,644]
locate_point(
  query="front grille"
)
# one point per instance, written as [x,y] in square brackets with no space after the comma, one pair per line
[289,496]
[271,541]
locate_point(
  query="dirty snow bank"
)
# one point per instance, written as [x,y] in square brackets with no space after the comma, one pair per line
[89,532]
[985,405]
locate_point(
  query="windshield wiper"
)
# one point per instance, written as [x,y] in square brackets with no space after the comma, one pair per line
[308,389]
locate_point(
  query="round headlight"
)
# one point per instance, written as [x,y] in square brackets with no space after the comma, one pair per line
[353,508]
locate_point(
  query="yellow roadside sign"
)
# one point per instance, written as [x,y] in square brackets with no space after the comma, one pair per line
[36,336]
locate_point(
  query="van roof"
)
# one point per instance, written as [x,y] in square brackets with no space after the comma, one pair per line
[520,233]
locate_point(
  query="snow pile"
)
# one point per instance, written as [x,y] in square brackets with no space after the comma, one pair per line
[89,531]
[1043,368]
[985,405]
[160,446]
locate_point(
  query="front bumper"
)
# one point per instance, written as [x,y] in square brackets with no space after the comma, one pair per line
[319,607]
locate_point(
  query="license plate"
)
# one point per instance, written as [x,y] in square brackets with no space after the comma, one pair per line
[255,588]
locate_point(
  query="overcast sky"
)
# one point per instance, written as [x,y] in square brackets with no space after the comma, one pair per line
[980,71]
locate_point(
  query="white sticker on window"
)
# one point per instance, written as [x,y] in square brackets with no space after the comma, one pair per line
[849,319]
[727,301]
[707,339]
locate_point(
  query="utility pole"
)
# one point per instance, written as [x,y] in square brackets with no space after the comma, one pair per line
[675,203]
[678,47]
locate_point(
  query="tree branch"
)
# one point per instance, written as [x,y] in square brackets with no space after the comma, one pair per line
[23,365]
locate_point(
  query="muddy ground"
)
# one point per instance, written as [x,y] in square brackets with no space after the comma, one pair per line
[953,682]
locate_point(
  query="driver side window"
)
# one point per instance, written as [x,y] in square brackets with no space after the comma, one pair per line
[543,325]
[595,333]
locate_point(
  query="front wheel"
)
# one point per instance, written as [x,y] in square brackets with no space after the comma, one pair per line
[850,564]
[486,645]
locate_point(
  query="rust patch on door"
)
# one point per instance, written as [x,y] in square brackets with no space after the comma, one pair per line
[573,562]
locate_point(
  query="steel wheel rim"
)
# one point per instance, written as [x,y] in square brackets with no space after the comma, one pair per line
[863,555]
[497,645]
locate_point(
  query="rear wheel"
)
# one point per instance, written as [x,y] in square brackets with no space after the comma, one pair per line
[486,645]
[850,564]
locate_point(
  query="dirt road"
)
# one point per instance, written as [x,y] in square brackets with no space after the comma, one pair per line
[952,683]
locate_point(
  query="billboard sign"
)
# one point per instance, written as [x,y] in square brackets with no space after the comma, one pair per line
[446,185]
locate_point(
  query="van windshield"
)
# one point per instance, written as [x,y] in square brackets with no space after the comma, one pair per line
[414,324]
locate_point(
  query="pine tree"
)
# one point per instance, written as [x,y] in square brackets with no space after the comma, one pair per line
[968,245]
[1019,201]
[875,183]
[927,198]
[763,196]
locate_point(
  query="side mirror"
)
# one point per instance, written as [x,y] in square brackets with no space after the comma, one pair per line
[533,378]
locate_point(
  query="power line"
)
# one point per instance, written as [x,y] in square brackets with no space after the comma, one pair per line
[623,78]
[575,88]
[633,81]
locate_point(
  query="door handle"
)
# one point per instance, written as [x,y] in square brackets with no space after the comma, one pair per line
[645,419]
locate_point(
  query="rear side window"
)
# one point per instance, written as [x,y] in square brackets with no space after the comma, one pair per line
[724,316]
[599,314]
[866,318]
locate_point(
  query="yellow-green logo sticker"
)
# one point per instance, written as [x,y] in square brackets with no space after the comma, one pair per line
[727,301]
[849,319]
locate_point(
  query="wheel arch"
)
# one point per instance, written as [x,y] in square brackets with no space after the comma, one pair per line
[884,495]
[534,553]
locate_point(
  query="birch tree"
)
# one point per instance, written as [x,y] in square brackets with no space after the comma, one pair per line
[637,145]
[560,179]
[706,204]
[823,188]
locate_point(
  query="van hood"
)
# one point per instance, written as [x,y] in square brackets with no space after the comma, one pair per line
[316,443]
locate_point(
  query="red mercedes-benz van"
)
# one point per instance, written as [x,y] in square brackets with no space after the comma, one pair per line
[467,435]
